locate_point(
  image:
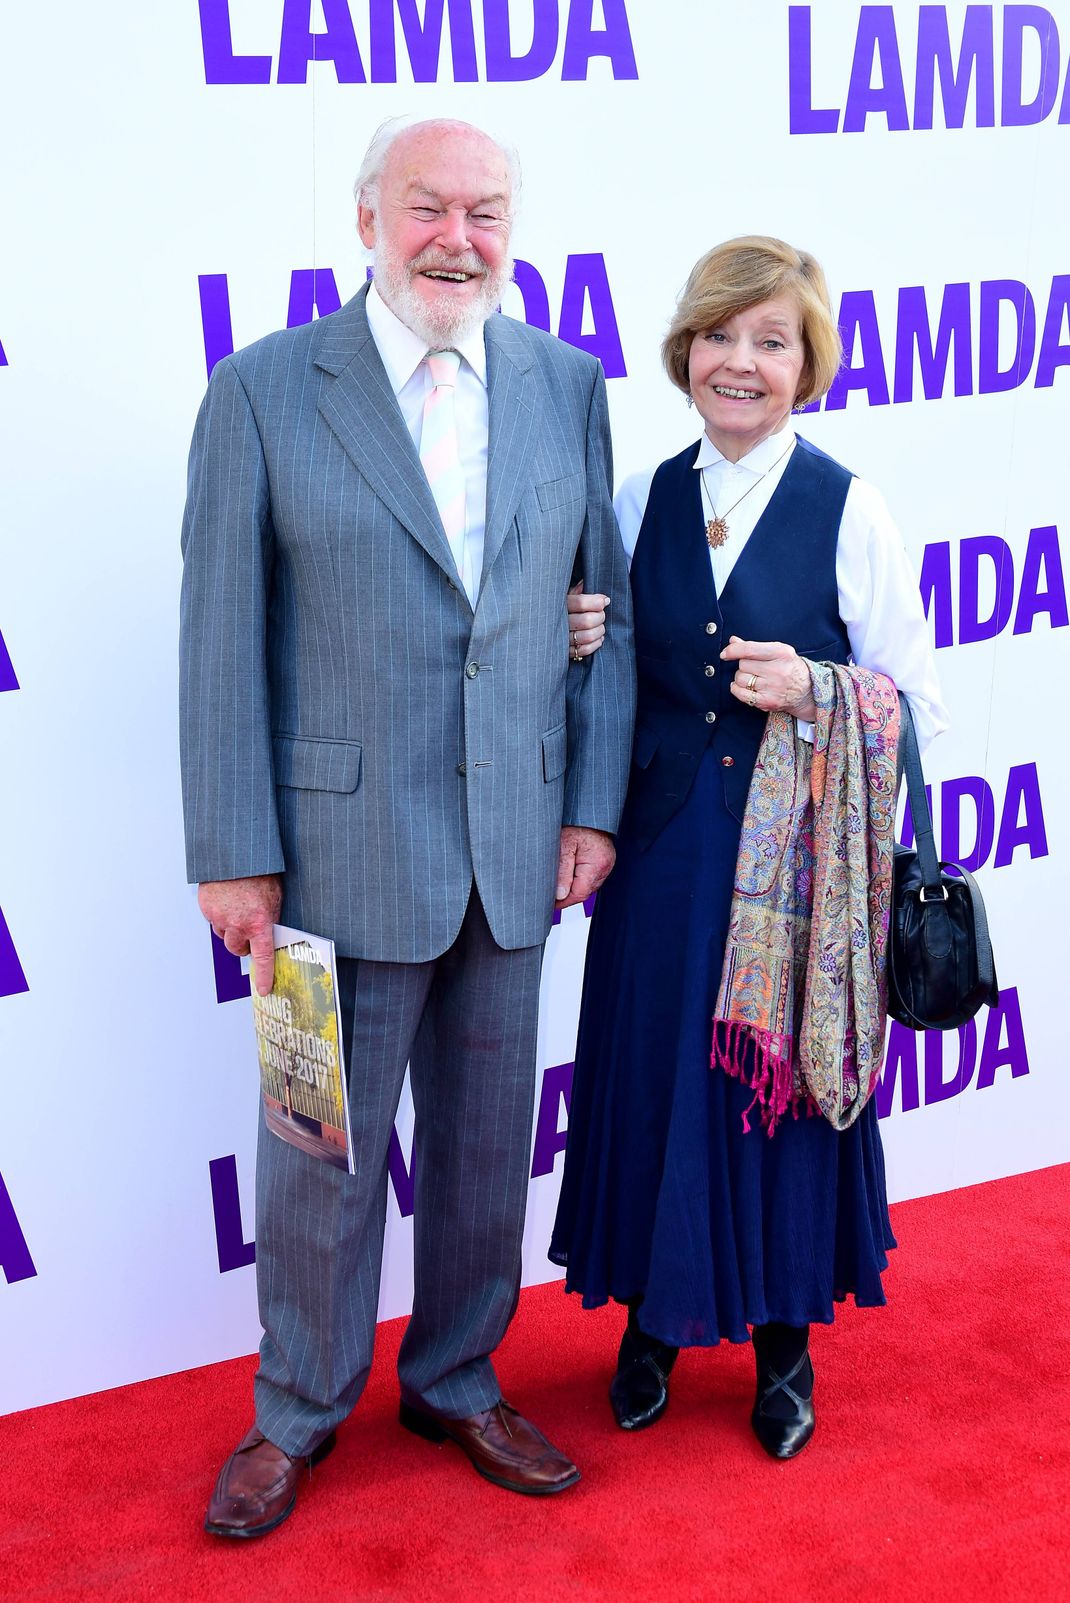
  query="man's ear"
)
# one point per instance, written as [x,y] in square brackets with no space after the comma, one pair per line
[366,225]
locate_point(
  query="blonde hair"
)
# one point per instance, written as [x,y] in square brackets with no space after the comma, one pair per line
[739,274]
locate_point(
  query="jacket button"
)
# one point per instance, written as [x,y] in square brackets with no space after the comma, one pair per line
[461,769]
[711,717]
[728,762]
[710,670]
[472,670]
[711,628]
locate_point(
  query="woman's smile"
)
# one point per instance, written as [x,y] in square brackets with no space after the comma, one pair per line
[745,374]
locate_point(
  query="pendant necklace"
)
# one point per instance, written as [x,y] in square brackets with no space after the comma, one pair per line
[717,526]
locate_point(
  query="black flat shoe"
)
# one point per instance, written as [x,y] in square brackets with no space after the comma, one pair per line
[639,1391]
[783,1437]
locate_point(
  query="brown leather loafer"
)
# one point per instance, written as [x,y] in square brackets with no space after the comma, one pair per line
[502,1445]
[257,1486]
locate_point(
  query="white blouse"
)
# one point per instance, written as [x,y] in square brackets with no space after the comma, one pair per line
[878,593]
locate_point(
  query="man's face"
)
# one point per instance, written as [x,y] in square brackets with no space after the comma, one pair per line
[440,231]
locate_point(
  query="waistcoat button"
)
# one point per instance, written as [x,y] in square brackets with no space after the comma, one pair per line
[711,628]
[728,762]
[711,717]
[710,670]
[472,670]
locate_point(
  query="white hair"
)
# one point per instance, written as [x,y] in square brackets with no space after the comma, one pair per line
[366,186]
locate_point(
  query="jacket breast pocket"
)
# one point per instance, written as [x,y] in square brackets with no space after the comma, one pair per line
[554,753]
[553,493]
[307,764]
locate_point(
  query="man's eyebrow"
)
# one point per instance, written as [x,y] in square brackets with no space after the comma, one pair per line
[425,192]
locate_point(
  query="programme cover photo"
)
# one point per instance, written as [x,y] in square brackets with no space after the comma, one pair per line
[302,1073]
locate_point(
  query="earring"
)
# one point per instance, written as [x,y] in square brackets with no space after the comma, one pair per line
[690,400]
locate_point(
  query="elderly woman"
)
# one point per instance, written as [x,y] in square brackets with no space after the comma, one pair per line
[751,551]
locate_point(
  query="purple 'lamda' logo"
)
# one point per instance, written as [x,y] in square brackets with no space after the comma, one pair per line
[12,978]
[8,680]
[955,65]
[360,44]
[949,338]
[233,1251]
[957,575]
[230,983]
[587,318]
[966,811]
[973,1058]
[15,1258]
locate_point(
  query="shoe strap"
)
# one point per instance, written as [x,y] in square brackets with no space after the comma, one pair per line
[782,1382]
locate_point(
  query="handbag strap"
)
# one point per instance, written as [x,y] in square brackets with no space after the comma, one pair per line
[909,761]
[986,963]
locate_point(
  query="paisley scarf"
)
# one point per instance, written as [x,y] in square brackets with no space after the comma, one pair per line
[801,1010]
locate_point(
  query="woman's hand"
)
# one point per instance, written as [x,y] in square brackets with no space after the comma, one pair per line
[771,676]
[586,622]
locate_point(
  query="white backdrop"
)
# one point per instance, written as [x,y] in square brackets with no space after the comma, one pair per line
[131,183]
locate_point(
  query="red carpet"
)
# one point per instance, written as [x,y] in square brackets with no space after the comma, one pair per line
[939,1469]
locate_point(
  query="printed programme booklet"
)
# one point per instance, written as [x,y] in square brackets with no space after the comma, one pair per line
[299,1038]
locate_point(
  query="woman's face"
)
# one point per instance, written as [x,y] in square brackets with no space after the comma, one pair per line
[745,374]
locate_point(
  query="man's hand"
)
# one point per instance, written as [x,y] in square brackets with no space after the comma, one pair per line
[242,911]
[770,676]
[587,855]
[586,622]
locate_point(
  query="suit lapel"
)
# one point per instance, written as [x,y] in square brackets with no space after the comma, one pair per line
[512,406]
[361,410]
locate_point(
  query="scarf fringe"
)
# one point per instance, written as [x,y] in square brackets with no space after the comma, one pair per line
[768,1073]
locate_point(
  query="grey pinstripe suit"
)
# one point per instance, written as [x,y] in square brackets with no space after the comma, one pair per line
[349,722]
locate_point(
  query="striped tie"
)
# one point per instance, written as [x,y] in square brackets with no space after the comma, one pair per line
[441,455]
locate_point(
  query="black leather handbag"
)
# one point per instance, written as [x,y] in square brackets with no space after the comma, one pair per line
[940,965]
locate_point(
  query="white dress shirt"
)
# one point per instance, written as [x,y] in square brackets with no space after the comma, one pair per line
[878,593]
[402,354]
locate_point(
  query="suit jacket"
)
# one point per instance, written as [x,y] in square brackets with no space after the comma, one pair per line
[347,720]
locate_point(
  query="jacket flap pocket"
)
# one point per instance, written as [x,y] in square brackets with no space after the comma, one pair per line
[646,744]
[557,492]
[308,764]
[554,752]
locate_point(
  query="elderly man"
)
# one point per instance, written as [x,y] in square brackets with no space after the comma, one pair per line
[387,740]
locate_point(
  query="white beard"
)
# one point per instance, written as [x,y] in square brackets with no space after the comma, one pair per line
[447,323]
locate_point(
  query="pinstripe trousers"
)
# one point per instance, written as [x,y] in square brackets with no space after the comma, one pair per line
[466,1023]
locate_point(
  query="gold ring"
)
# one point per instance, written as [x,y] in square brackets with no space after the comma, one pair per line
[577,656]
[753,681]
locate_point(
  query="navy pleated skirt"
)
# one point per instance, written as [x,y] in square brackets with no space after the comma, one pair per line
[664,1195]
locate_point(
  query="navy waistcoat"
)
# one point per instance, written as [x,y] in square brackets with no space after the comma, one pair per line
[783,587]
